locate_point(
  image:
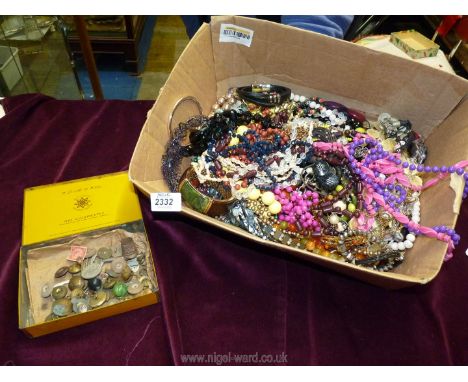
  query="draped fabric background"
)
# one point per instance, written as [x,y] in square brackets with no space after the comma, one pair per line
[222,296]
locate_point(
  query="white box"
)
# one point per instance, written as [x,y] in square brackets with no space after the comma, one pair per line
[11,70]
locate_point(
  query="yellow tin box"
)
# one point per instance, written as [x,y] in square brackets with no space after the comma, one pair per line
[414,44]
[85,254]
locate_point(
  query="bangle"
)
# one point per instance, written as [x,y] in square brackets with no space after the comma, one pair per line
[201,202]
[264,94]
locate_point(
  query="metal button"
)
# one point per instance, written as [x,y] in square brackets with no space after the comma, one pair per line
[134,287]
[61,272]
[74,268]
[104,253]
[59,292]
[118,265]
[46,290]
[98,299]
[77,293]
[62,307]
[109,283]
[80,305]
[76,282]
[109,295]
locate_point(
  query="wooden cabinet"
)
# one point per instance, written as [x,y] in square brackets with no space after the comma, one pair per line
[111,35]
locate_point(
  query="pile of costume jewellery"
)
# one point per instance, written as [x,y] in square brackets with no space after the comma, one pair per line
[309,173]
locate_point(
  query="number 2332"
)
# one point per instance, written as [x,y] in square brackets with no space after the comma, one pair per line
[163,202]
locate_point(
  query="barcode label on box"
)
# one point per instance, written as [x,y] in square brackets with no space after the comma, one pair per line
[238,35]
[166,202]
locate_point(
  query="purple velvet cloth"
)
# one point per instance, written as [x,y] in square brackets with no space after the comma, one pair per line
[221,296]
[42,141]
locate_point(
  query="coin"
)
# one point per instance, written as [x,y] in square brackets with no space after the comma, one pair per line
[109,283]
[134,287]
[118,265]
[61,272]
[62,307]
[98,299]
[74,268]
[46,290]
[119,289]
[104,253]
[91,267]
[59,292]
[76,282]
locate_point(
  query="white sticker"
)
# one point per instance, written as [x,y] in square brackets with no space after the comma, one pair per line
[166,202]
[238,35]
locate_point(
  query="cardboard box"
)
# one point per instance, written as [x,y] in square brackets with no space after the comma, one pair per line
[93,213]
[313,64]
[414,44]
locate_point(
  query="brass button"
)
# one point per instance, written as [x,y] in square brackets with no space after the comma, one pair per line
[104,253]
[46,290]
[61,272]
[62,307]
[109,283]
[59,292]
[98,299]
[134,287]
[77,293]
[76,282]
[74,268]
